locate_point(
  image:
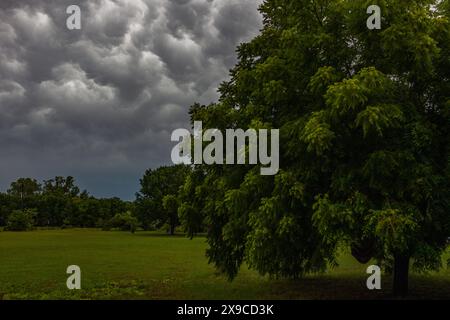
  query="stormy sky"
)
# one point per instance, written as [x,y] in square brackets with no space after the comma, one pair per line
[100,103]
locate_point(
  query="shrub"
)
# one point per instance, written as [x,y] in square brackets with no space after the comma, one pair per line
[66,224]
[21,220]
[125,221]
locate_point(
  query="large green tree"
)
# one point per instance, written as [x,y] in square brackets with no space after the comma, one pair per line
[364,148]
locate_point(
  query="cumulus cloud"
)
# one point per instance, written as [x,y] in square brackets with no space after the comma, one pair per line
[100,103]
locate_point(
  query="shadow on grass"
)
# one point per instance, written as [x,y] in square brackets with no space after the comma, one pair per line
[162,234]
[354,288]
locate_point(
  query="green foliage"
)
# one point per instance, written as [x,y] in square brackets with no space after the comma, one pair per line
[155,185]
[364,118]
[124,221]
[61,185]
[379,118]
[191,204]
[397,229]
[317,134]
[58,203]
[21,220]
[24,187]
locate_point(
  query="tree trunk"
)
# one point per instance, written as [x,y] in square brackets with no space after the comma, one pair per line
[172,229]
[401,274]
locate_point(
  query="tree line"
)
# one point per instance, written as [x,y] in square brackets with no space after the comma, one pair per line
[57,202]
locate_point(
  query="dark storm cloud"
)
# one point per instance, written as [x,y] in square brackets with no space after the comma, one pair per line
[101,103]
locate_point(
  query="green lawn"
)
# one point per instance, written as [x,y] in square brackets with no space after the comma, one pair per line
[119,265]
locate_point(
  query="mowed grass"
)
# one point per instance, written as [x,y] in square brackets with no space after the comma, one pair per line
[146,265]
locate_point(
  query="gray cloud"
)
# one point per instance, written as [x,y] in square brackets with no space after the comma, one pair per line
[101,103]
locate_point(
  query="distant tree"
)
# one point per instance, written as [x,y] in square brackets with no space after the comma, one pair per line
[6,207]
[155,185]
[84,212]
[53,209]
[56,202]
[24,187]
[24,193]
[170,206]
[60,185]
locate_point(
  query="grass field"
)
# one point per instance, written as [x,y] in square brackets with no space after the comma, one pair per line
[119,265]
